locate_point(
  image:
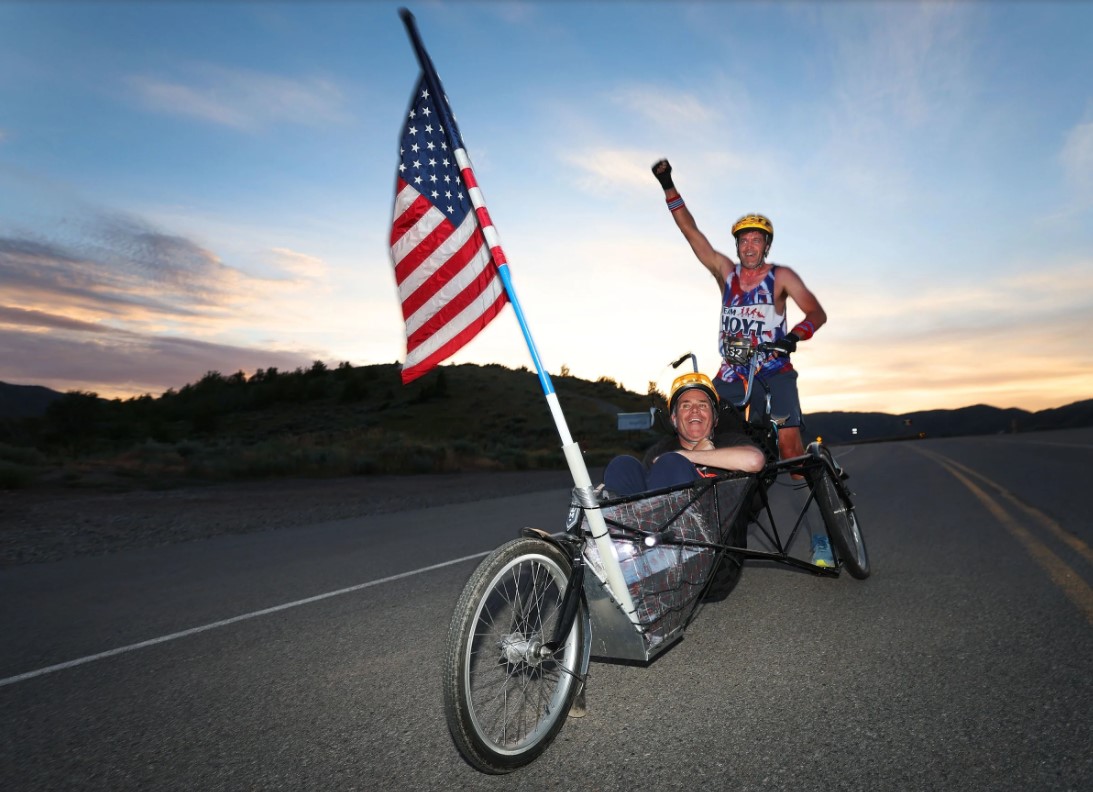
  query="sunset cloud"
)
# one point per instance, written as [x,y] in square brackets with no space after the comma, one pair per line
[300,265]
[116,363]
[194,187]
[130,305]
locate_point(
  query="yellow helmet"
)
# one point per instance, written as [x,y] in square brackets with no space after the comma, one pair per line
[686,382]
[755,222]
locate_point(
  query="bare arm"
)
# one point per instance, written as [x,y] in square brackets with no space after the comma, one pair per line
[747,458]
[790,285]
[717,263]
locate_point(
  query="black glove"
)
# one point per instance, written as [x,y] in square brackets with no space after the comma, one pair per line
[663,171]
[787,345]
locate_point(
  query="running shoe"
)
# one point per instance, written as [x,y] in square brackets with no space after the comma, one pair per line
[821,551]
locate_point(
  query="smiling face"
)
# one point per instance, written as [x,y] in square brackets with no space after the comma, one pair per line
[751,248]
[694,416]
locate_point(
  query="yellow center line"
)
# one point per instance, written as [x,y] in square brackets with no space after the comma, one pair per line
[1076,589]
[1060,533]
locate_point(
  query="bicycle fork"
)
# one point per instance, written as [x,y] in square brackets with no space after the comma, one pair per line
[571,599]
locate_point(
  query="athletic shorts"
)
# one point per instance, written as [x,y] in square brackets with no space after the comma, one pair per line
[783,396]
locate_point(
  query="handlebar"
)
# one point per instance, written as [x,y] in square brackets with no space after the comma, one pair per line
[751,359]
[691,355]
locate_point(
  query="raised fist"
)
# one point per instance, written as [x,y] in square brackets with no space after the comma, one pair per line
[662,169]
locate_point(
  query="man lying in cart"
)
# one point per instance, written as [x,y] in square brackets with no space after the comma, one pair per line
[691,451]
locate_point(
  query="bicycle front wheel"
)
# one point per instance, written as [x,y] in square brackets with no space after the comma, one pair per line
[840,519]
[504,701]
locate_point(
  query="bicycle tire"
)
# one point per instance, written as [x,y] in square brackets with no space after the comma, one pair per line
[504,704]
[840,519]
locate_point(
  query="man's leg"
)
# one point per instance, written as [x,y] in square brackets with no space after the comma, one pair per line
[671,469]
[624,475]
[789,442]
[785,404]
[731,392]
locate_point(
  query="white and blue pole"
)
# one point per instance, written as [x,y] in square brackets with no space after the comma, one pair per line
[582,482]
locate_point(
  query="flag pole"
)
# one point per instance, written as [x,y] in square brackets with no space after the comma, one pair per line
[582,481]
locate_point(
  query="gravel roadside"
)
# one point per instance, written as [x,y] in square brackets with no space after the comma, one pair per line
[39,526]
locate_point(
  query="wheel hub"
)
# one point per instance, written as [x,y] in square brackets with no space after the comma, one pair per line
[517,648]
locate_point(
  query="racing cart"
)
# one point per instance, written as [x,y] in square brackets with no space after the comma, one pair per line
[621,582]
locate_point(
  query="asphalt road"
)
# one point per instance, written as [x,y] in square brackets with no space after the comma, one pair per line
[308,659]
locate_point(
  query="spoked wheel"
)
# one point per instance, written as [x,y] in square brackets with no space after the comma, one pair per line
[504,700]
[840,519]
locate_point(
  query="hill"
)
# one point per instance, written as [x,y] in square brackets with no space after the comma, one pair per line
[849,427]
[25,401]
[361,420]
[316,422]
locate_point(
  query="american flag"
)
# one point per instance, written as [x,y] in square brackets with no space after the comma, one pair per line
[446,273]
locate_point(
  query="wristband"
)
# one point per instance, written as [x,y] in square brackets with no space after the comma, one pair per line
[804,330]
[675,203]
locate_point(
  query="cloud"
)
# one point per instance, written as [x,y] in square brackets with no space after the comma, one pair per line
[121,269]
[939,371]
[627,171]
[1077,154]
[241,99]
[300,265]
[665,107]
[601,171]
[1016,340]
[23,317]
[118,306]
[964,304]
[116,363]
[901,81]
[905,61]
[516,13]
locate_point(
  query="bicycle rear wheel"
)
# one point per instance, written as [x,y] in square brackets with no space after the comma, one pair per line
[505,702]
[840,519]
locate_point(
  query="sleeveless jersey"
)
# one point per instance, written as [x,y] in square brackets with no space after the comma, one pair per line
[751,315]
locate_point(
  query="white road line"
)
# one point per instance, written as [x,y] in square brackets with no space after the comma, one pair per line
[225,622]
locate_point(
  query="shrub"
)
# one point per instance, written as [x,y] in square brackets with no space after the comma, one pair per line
[15,476]
[21,455]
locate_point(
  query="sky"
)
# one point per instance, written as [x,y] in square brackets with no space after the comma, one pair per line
[208,186]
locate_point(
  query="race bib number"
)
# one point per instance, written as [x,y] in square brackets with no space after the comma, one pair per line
[757,322]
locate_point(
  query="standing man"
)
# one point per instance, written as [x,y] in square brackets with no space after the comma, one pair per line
[753,306]
[754,295]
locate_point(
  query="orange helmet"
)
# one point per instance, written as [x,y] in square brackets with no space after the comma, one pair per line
[754,222]
[686,382]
